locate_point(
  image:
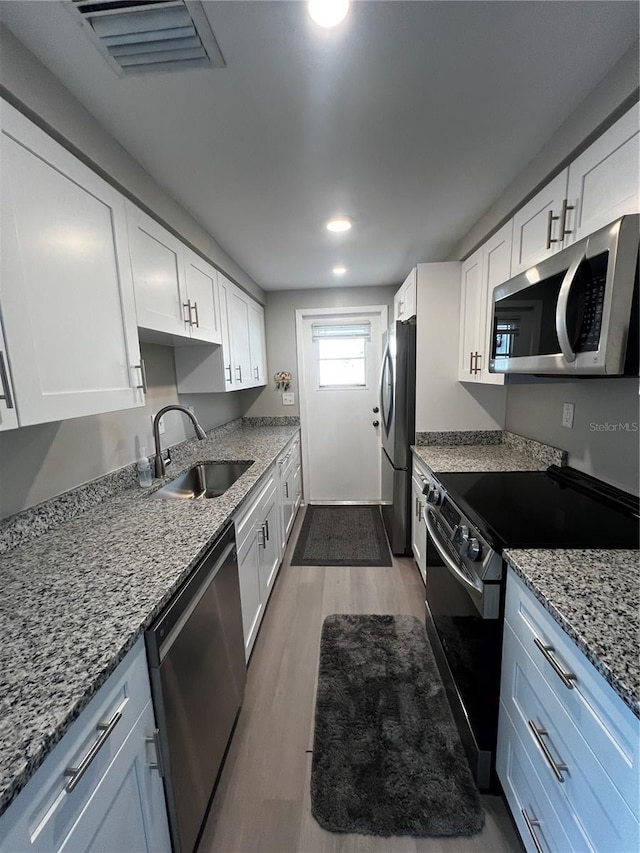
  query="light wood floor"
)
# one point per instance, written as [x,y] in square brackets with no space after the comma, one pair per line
[262,802]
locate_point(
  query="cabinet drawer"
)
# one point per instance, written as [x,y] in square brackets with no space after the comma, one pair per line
[251,515]
[45,810]
[526,795]
[580,782]
[608,726]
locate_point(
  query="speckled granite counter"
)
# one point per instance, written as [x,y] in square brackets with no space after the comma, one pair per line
[75,599]
[482,451]
[595,597]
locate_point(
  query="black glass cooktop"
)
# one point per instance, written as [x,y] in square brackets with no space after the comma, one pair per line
[557,508]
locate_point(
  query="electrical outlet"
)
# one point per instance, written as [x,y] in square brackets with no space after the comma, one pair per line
[161,430]
[288,399]
[567,415]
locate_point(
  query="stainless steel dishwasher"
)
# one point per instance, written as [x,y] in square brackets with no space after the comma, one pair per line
[198,671]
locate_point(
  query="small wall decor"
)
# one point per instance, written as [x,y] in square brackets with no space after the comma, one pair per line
[283,380]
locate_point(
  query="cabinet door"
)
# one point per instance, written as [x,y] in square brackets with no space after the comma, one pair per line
[225,288]
[250,599]
[536,226]
[158,276]
[269,537]
[238,312]
[604,179]
[66,291]
[405,300]
[127,810]
[202,294]
[8,414]
[256,344]
[496,269]
[472,315]
[418,529]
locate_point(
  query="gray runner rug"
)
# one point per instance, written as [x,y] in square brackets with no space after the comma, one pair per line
[342,536]
[387,757]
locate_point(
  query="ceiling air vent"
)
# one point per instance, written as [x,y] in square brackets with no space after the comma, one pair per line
[146,36]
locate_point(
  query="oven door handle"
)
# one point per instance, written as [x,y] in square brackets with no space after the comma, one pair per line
[448,561]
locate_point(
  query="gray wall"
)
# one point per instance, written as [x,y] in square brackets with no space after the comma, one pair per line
[28,83]
[280,322]
[39,462]
[604,439]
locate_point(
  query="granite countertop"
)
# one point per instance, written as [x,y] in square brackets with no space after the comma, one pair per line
[75,599]
[594,596]
[476,457]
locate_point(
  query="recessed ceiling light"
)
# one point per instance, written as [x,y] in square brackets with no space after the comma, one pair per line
[339,270]
[339,223]
[328,13]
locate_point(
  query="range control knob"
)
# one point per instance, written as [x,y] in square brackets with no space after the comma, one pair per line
[474,549]
[433,495]
[461,534]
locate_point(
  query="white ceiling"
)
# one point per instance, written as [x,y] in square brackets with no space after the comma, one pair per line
[411,117]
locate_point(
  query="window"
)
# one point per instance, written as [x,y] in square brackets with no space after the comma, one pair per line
[342,354]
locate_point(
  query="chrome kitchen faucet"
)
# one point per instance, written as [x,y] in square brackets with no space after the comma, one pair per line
[159,464]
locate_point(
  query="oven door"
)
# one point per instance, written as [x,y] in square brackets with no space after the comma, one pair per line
[467,647]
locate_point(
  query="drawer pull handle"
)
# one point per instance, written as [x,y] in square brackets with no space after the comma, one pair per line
[531,823]
[154,740]
[76,773]
[555,767]
[6,388]
[567,678]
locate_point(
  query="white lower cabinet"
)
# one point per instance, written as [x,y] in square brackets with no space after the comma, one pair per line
[568,747]
[418,528]
[118,802]
[263,527]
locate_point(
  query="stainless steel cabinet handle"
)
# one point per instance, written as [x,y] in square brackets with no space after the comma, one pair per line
[230,379]
[538,734]
[567,678]
[239,372]
[4,379]
[187,319]
[194,307]
[263,542]
[563,219]
[257,372]
[78,772]
[266,527]
[532,822]
[471,363]
[157,764]
[550,222]
[143,375]
[478,356]
[286,490]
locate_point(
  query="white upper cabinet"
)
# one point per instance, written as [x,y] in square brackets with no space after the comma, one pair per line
[600,185]
[203,307]
[537,226]
[176,290]
[66,293]
[405,300]
[489,266]
[604,180]
[257,344]
[240,360]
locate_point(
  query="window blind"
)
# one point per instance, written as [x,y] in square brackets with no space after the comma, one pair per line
[338,331]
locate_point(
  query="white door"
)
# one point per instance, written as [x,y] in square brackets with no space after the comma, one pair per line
[239,327]
[470,317]
[339,355]
[256,343]
[537,226]
[203,308]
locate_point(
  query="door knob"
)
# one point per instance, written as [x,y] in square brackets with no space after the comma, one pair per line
[375,410]
[376,423]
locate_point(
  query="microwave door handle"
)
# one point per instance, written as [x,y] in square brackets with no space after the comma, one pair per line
[561,307]
[446,559]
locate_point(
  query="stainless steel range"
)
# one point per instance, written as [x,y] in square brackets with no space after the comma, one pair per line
[470,518]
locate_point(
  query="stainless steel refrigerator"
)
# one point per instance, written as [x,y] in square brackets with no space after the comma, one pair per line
[398,423]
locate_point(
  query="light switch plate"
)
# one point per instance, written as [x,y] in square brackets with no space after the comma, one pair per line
[568,411]
[288,399]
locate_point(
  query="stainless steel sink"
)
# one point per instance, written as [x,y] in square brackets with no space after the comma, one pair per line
[208,480]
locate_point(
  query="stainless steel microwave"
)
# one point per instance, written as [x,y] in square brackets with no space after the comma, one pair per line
[574,313]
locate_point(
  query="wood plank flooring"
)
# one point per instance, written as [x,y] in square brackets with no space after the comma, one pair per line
[262,804]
